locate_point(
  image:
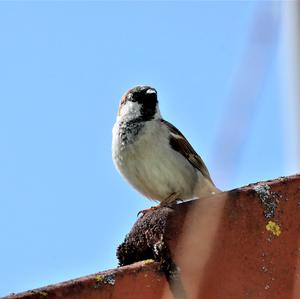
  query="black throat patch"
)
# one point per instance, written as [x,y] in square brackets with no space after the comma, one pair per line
[148,107]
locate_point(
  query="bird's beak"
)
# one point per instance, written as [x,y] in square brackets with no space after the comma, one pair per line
[151,90]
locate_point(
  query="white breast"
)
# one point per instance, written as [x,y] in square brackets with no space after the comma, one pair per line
[151,166]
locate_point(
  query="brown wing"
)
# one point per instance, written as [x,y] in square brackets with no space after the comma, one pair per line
[179,143]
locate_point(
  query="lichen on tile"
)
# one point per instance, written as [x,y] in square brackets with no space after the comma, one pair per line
[268,199]
[105,279]
[148,261]
[274,228]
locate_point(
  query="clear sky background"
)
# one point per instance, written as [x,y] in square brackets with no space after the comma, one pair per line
[63,68]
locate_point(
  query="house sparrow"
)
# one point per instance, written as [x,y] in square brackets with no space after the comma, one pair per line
[153,155]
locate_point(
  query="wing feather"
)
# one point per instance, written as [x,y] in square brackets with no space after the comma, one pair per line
[179,143]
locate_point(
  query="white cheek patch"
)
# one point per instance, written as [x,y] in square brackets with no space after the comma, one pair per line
[131,109]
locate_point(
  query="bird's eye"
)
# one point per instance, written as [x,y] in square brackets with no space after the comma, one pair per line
[133,97]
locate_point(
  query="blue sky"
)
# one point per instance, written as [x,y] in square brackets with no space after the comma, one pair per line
[64,66]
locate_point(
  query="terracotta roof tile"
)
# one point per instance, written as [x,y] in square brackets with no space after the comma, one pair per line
[240,244]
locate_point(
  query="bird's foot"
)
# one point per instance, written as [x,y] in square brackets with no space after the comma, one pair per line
[142,213]
[170,200]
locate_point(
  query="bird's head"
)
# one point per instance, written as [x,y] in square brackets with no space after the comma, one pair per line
[139,102]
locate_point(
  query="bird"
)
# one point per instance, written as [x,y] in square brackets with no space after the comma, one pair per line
[153,155]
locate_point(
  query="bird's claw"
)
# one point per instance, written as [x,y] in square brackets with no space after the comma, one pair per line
[142,213]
